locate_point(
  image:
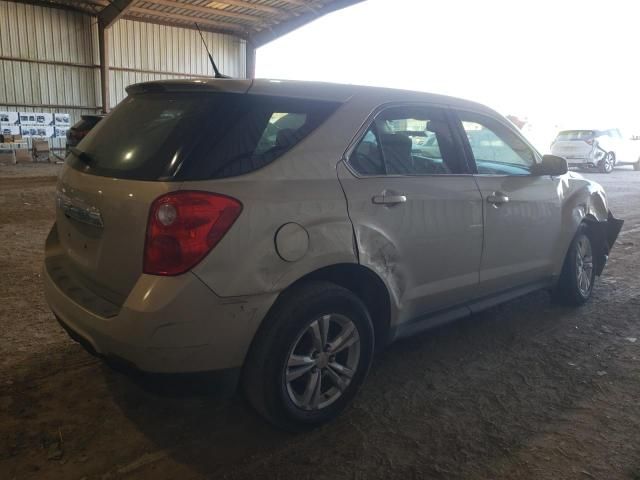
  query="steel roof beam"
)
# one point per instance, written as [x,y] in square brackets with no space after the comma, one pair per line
[252,19]
[280,12]
[112,12]
[222,26]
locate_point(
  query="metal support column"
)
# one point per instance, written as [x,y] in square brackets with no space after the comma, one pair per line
[103,45]
[110,14]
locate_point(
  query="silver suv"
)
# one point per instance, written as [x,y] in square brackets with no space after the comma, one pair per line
[280,232]
[601,149]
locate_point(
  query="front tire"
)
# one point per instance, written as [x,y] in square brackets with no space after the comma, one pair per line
[310,357]
[578,273]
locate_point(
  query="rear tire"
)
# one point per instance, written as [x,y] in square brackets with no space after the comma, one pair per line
[636,166]
[578,273]
[310,357]
[607,163]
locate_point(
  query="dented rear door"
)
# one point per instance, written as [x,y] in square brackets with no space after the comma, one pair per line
[417,222]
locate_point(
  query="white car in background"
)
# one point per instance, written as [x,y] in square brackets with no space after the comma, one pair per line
[601,149]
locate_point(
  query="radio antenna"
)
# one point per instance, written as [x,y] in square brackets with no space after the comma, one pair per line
[216,72]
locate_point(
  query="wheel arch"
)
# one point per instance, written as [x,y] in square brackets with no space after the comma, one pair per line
[362,282]
[597,233]
[584,205]
[366,285]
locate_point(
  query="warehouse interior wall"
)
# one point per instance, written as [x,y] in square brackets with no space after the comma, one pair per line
[139,52]
[49,59]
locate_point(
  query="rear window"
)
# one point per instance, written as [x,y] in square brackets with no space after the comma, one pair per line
[196,136]
[569,135]
[86,123]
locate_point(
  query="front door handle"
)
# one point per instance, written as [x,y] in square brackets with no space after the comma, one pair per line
[389,198]
[497,198]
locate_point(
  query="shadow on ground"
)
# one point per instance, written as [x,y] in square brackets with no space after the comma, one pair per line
[461,398]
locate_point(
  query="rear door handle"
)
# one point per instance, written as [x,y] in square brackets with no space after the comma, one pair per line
[497,199]
[389,198]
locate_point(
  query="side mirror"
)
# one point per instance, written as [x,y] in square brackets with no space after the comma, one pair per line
[551,165]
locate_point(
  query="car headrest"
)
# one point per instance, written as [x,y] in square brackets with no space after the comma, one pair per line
[396,144]
[397,152]
[286,137]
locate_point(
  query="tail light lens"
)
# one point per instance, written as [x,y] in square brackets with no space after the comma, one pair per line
[589,141]
[183,227]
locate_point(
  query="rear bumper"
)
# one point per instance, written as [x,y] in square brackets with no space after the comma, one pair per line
[584,162]
[223,381]
[166,325]
[589,160]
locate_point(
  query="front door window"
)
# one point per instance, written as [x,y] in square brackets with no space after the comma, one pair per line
[496,149]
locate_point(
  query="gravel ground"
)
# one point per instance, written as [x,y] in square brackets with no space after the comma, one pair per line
[525,390]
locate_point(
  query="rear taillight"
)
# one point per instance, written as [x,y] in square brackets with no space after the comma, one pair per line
[183,227]
[589,141]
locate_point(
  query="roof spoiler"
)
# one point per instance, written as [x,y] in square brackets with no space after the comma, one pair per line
[226,85]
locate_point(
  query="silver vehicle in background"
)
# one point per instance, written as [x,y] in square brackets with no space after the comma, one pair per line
[597,149]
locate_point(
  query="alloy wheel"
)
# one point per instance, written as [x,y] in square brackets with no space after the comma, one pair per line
[584,265]
[322,362]
[608,162]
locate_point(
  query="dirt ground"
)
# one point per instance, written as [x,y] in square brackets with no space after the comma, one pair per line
[526,390]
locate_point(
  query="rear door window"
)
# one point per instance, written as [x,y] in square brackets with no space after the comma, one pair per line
[366,159]
[408,140]
[196,136]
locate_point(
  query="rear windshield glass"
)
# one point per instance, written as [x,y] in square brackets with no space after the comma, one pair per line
[575,135]
[195,136]
[86,123]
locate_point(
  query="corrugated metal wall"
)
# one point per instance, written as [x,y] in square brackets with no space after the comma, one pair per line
[50,58]
[66,43]
[140,52]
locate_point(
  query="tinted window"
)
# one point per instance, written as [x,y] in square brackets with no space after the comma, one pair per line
[496,148]
[86,123]
[366,159]
[407,141]
[194,136]
[278,122]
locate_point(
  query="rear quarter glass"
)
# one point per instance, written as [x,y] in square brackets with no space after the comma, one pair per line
[196,136]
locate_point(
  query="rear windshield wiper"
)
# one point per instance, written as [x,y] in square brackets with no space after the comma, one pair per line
[84,156]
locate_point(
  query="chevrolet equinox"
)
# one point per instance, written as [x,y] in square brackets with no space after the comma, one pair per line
[283,231]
